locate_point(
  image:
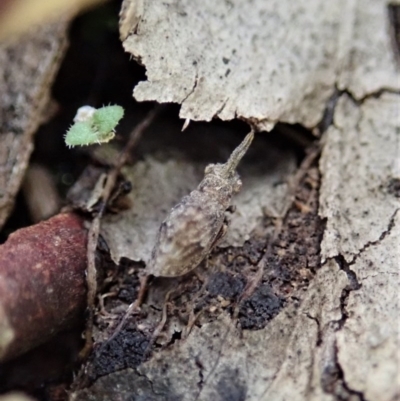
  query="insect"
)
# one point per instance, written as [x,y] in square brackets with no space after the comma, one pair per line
[198,221]
[93,125]
[195,225]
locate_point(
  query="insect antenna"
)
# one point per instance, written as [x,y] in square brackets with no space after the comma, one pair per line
[230,166]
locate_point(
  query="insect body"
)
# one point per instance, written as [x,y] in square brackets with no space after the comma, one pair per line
[196,224]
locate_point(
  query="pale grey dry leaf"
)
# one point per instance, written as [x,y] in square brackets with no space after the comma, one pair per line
[369,342]
[359,161]
[261,61]
[160,185]
[156,188]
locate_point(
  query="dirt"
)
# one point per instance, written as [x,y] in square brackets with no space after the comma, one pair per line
[125,351]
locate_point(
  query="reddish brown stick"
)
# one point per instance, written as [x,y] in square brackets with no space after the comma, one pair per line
[42,282]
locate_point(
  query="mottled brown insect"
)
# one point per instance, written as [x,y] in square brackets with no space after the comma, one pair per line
[197,222]
[194,225]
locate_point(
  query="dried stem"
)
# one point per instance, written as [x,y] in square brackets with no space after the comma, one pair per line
[131,308]
[95,226]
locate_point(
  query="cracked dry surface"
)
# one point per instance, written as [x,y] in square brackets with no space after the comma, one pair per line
[363,344]
[359,164]
[371,331]
[360,168]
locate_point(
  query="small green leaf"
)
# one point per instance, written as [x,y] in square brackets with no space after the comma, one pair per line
[93,126]
[106,118]
[81,134]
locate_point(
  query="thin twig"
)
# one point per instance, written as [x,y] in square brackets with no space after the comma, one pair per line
[160,326]
[131,309]
[94,230]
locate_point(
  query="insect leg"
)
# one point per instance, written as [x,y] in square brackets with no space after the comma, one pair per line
[160,325]
[132,307]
